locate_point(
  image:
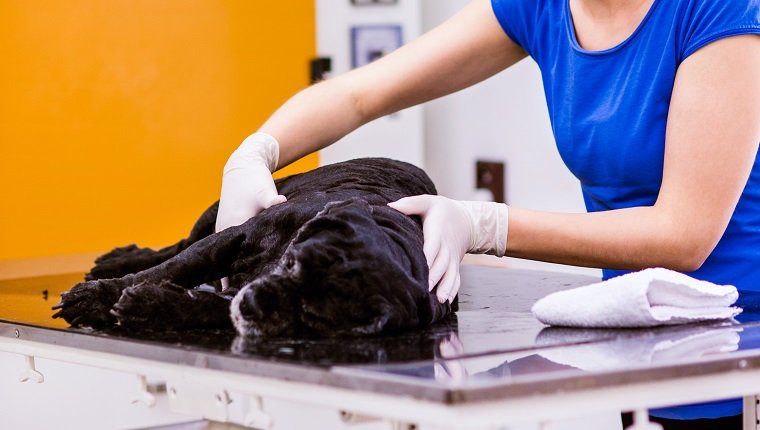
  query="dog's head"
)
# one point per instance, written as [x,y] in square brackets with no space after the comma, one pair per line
[354,269]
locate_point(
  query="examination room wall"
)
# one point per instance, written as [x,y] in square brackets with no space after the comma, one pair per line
[116,117]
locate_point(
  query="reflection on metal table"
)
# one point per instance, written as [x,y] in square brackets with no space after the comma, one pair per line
[492,365]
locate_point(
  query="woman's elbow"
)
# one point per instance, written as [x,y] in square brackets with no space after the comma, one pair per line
[683,241]
[354,95]
[688,263]
[689,255]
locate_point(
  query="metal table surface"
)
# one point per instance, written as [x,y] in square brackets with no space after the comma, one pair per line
[492,350]
[494,314]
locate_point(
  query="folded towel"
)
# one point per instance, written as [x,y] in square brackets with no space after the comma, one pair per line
[647,298]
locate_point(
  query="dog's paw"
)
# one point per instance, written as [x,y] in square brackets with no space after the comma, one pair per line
[168,306]
[89,303]
[121,261]
[148,305]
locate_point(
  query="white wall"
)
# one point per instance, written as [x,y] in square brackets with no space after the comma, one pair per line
[399,136]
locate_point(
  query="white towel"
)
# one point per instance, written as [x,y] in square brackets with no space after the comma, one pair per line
[647,298]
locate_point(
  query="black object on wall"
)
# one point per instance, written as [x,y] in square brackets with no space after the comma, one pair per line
[318,69]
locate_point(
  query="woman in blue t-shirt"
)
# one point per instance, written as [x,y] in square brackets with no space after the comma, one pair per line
[655,107]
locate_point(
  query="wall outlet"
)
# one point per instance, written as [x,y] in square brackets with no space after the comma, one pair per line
[489,175]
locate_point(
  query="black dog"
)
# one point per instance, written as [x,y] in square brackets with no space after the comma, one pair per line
[332,260]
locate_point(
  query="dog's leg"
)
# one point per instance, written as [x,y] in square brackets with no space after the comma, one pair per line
[90,303]
[206,260]
[132,259]
[241,251]
[169,306]
[162,296]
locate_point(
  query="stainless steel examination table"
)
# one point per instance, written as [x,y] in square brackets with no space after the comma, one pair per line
[492,365]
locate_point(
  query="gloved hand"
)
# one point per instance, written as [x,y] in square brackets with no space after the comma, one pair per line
[453,228]
[247,184]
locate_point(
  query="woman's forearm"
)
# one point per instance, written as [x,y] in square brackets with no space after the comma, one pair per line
[313,119]
[633,239]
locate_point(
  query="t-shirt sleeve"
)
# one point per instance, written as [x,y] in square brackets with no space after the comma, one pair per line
[517,18]
[710,20]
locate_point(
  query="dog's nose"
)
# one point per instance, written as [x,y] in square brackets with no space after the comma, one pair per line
[248,308]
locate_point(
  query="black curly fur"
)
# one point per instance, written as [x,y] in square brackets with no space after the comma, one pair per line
[333,260]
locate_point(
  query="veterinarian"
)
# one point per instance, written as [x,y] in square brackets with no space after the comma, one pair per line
[655,107]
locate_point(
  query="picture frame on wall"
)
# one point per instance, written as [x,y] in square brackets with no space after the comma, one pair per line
[373,2]
[370,42]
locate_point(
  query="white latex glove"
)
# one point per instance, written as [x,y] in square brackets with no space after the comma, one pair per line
[453,228]
[247,184]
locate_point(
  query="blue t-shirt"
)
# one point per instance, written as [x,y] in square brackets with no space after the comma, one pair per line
[609,111]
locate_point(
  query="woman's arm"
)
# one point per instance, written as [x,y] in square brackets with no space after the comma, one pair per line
[466,49]
[469,47]
[711,144]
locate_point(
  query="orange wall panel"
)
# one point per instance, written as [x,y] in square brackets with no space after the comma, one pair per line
[116,116]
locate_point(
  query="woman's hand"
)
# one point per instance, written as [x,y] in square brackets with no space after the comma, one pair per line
[247,185]
[453,228]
